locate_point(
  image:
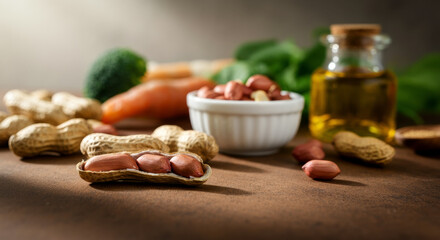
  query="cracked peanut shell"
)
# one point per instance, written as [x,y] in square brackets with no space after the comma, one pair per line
[131,175]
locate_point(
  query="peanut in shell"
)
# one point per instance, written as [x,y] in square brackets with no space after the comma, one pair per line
[20,103]
[101,143]
[3,115]
[42,94]
[368,149]
[39,138]
[131,175]
[77,107]
[179,140]
[11,125]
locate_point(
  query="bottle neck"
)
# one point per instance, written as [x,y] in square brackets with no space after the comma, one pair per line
[343,59]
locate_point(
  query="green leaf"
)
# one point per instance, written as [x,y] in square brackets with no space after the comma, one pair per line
[313,59]
[245,51]
[239,70]
[287,79]
[410,113]
[291,67]
[303,84]
[277,60]
[419,86]
[282,54]
[319,32]
[428,64]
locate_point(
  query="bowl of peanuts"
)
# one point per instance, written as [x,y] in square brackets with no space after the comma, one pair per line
[251,119]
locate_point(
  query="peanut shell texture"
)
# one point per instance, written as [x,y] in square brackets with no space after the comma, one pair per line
[132,175]
[179,140]
[39,138]
[20,103]
[368,149]
[101,143]
[11,125]
[77,107]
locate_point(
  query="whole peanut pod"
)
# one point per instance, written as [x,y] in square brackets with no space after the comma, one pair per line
[20,103]
[101,143]
[179,140]
[3,115]
[42,94]
[368,149]
[38,138]
[77,107]
[12,125]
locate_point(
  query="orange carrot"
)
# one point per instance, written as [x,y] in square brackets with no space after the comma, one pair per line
[159,99]
[185,69]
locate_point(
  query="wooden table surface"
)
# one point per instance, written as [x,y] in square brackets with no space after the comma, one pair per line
[246,197]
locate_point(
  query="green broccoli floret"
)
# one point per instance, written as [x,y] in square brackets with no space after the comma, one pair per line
[114,72]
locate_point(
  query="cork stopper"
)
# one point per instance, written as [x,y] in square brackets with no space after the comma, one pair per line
[355,36]
[355,29]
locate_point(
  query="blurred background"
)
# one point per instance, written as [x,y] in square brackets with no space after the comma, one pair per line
[52,43]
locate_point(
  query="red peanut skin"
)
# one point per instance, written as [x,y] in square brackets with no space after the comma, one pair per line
[315,142]
[206,92]
[259,82]
[221,98]
[154,163]
[186,166]
[246,90]
[233,91]
[283,97]
[275,94]
[321,169]
[201,92]
[112,161]
[308,151]
[220,89]
[105,128]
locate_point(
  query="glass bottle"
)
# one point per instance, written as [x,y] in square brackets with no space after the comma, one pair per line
[353,91]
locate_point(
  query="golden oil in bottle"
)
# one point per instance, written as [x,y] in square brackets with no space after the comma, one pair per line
[353,91]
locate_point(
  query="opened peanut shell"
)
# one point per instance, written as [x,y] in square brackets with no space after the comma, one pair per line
[132,175]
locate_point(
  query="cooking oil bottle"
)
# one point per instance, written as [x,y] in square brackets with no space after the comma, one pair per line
[353,91]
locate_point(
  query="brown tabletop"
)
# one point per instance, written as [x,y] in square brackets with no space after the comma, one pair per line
[246,197]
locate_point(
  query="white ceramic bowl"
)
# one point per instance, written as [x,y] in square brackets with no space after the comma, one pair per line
[246,127]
